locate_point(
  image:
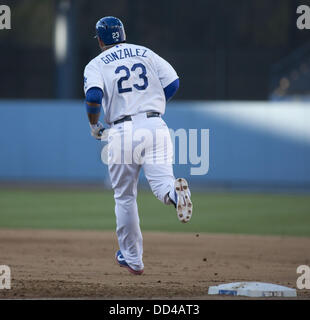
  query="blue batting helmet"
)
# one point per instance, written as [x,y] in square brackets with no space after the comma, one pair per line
[110,30]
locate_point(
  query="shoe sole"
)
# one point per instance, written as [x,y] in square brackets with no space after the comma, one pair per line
[184,204]
[137,273]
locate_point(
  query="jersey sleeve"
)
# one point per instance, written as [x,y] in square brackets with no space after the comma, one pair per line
[92,77]
[165,71]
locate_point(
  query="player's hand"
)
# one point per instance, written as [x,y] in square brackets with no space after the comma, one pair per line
[96,130]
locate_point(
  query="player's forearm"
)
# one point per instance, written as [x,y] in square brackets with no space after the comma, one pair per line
[93,104]
[93,112]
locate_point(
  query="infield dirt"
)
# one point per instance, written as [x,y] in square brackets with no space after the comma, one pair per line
[80,264]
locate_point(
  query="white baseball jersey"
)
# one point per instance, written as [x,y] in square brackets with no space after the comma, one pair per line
[132,79]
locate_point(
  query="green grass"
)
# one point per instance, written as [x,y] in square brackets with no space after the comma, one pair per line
[278,214]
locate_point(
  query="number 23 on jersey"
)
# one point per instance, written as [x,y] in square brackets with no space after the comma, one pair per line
[139,69]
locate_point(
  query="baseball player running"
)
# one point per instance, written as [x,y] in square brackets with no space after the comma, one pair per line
[132,84]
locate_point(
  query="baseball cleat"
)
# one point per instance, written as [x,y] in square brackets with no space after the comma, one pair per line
[122,263]
[184,205]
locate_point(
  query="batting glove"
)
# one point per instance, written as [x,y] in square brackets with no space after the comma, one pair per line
[96,130]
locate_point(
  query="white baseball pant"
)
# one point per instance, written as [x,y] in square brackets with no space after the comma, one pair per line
[143,142]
